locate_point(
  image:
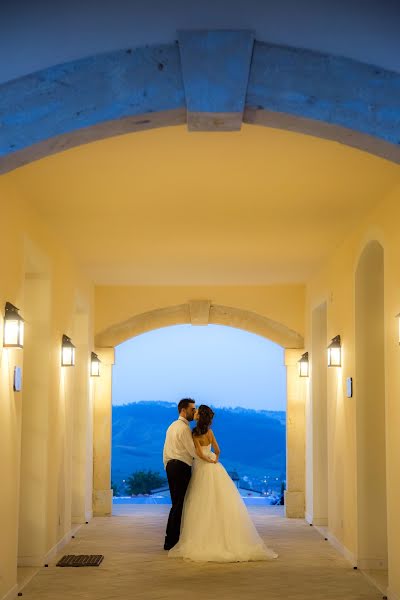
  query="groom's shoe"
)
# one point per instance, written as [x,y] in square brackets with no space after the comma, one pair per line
[168,546]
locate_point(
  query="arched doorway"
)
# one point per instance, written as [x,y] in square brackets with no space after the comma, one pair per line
[201,312]
[370,408]
[240,374]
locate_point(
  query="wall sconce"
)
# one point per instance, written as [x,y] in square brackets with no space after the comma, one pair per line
[13,327]
[67,352]
[95,365]
[303,365]
[335,352]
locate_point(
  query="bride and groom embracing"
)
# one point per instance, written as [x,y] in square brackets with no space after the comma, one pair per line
[208,520]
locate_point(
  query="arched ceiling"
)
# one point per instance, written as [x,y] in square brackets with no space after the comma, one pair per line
[165,206]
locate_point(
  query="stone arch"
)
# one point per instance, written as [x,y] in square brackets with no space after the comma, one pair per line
[201,312]
[141,88]
[218,315]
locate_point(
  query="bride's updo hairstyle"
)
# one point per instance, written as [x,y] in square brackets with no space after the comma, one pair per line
[205,419]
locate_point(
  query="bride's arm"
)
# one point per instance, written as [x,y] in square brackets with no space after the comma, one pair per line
[214,443]
[199,451]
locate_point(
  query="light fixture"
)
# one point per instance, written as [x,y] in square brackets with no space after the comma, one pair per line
[335,352]
[303,365]
[13,327]
[67,352]
[95,365]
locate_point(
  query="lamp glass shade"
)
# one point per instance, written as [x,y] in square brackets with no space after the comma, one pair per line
[95,365]
[303,365]
[335,352]
[67,352]
[13,328]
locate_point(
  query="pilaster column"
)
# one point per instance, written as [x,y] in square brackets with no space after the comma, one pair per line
[102,418]
[295,438]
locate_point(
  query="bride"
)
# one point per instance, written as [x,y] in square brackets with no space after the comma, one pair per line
[215,523]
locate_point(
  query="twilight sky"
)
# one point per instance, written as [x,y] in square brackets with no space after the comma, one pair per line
[214,365]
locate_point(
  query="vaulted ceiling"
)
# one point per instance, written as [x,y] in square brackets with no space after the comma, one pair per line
[165,206]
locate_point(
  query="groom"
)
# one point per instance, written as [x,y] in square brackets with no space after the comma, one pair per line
[178,457]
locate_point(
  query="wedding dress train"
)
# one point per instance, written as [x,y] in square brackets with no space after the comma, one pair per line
[216,525]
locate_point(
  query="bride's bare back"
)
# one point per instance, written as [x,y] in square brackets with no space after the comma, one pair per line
[201,441]
[205,439]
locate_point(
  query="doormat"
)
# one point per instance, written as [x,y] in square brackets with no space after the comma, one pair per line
[80,560]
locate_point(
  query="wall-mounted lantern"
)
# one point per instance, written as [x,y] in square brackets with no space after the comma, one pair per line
[67,352]
[335,352]
[95,365]
[303,365]
[13,327]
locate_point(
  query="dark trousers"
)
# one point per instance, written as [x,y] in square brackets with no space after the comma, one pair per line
[178,474]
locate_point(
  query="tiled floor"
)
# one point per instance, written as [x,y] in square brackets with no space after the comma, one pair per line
[135,566]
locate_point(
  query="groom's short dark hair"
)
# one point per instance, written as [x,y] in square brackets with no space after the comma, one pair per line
[184,403]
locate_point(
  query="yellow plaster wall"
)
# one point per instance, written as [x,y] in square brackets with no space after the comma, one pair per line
[335,283]
[70,293]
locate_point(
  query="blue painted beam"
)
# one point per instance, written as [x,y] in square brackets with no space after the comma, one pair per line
[215,68]
[334,90]
[110,94]
[88,93]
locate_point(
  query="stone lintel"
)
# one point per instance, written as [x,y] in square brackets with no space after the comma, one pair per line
[215,70]
[199,312]
[207,121]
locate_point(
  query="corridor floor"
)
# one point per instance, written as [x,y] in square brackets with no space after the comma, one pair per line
[135,566]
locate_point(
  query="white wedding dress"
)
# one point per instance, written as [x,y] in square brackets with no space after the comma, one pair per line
[215,523]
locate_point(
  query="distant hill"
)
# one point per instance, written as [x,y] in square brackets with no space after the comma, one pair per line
[252,442]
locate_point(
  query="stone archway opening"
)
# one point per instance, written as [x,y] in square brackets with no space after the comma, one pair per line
[202,312]
[240,374]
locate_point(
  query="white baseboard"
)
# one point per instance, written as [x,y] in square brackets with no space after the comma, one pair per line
[317,521]
[11,594]
[40,561]
[376,583]
[89,515]
[57,547]
[345,552]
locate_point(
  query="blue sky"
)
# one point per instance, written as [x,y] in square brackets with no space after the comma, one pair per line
[214,365]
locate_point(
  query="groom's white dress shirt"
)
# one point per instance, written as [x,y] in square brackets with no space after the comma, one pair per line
[179,443]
